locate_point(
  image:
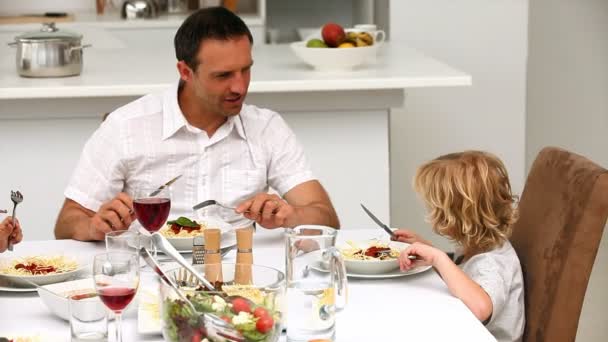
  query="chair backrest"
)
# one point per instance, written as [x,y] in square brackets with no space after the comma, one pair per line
[563,211]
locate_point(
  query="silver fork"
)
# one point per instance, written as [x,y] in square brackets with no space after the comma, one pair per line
[16,197]
[211,202]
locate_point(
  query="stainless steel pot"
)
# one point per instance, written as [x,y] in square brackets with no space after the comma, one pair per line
[139,9]
[49,52]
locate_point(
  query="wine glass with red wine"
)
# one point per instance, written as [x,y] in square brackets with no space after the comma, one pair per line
[116,277]
[152,208]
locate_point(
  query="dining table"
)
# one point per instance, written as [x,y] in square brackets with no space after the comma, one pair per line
[411,307]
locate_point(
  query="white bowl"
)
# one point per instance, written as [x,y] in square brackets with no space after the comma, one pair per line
[335,59]
[184,244]
[55,296]
[373,266]
[43,279]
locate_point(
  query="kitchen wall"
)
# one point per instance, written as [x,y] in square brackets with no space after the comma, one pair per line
[487,39]
[567,106]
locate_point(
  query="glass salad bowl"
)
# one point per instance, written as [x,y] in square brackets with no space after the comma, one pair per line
[249,298]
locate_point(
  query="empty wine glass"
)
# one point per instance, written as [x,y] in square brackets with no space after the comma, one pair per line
[116,277]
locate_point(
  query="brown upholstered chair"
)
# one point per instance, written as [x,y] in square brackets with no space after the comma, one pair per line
[563,211]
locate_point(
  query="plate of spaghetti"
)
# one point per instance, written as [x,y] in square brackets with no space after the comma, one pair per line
[38,269]
[181,231]
[372,256]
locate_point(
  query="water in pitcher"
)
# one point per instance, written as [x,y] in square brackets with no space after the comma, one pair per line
[312,313]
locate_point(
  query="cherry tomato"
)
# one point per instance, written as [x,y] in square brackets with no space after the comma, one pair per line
[264,324]
[196,337]
[226,319]
[260,312]
[240,304]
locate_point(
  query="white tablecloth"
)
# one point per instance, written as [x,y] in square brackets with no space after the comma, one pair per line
[413,308]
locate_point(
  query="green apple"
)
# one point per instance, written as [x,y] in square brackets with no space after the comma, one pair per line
[316,43]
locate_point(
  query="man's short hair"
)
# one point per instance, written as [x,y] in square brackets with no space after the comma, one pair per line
[207,23]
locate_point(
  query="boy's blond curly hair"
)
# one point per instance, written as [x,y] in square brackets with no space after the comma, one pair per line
[469,198]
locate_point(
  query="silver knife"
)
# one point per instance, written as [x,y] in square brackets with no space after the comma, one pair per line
[378,222]
[160,188]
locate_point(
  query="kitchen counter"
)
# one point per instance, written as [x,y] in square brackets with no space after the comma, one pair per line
[135,72]
[341,118]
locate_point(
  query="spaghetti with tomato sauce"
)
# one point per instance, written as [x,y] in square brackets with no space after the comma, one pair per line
[39,265]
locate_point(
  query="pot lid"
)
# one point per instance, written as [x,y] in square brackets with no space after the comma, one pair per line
[48,32]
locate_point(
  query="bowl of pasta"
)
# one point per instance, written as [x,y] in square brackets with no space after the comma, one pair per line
[371,256]
[180,232]
[39,269]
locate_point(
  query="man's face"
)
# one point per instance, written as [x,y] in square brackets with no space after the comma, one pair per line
[222,77]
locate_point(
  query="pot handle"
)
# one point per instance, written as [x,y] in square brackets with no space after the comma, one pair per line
[80,47]
[12,44]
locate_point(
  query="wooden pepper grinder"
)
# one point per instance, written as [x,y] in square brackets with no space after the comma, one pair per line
[213,258]
[244,256]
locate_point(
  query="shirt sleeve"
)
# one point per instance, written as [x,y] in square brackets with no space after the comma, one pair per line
[493,276]
[288,164]
[99,175]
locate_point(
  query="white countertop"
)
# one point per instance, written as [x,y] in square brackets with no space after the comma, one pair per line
[416,307]
[114,70]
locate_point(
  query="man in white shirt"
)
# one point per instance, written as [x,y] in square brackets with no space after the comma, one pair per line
[200,128]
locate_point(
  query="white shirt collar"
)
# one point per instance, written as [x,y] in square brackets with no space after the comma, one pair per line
[174,119]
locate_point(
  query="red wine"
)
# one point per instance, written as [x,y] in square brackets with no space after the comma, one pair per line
[152,213]
[116,298]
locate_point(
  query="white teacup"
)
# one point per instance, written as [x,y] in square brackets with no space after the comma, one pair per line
[372,29]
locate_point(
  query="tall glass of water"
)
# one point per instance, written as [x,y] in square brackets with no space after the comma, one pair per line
[316,283]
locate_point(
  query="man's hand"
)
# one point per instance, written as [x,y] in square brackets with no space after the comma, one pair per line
[306,203]
[9,230]
[268,210]
[79,223]
[117,214]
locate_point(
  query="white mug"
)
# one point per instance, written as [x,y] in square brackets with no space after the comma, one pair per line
[372,29]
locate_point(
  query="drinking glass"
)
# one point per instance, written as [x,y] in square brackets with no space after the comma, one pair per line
[88,320]
[116,277]
[313,297]
[126,241]
[152,208]
[123,241]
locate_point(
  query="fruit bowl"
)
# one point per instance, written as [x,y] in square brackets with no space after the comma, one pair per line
[335,59]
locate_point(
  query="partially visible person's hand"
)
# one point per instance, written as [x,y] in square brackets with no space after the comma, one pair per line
[9,230]
[425,255]
[408,236]
[116,214]
[268,210]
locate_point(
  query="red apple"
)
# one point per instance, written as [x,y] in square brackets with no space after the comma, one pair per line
[333,34]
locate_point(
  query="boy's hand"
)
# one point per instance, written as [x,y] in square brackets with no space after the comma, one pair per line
[425,255]
[408,236]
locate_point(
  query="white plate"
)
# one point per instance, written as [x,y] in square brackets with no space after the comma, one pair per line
[225,246]
[392,274]
[17,289]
